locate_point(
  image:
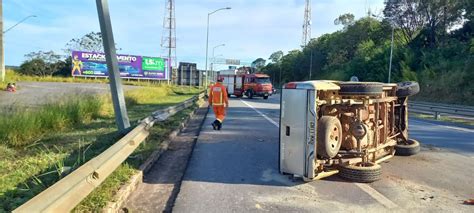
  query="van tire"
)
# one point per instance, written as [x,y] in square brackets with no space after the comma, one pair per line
[329,137]
[368,173]
[410,147]
[409,88]
[360,88]
[265,97]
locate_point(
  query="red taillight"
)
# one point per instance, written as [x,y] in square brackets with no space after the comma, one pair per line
[291,85]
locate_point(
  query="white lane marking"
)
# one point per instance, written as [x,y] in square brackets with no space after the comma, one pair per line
[377,195]
[366,188]
[263,115]
[448,127]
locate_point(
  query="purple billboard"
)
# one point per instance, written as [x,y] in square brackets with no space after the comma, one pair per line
[89,64]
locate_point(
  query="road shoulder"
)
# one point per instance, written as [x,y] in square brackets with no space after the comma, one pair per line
[162,182]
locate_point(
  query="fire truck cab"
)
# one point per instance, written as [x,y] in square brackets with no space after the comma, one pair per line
[250,85]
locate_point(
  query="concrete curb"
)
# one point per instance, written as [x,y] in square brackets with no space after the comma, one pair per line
[125,190]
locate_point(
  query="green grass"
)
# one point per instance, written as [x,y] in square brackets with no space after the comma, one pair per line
[39,146]
[22,127]
[99,198]
[445,119]
[13,77]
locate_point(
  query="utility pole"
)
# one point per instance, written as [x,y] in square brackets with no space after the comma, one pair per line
[310,65]
[2,51]
[168,39]
[118,99]
[307,24]
[391,55]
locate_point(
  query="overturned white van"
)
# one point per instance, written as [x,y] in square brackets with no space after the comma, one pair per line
[329,127]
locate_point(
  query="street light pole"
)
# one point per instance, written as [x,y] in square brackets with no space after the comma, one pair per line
[392,24]
[391,55]
[2,52]
[310,65]
[214,58]
[207,39]
[21,21]
[2,33]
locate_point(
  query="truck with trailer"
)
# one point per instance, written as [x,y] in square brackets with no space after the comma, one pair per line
[330,127]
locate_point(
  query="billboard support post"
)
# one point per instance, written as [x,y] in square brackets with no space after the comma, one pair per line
[118,99]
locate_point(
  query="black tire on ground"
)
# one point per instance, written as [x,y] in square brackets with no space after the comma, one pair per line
[228,95]
[265,97]
[361,88]
[411,147]
[409,88]
[367,173]
[329,137]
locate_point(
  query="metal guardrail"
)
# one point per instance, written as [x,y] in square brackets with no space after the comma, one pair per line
[436,109]
[65,194]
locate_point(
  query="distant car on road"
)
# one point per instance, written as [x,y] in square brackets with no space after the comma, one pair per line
[329,127]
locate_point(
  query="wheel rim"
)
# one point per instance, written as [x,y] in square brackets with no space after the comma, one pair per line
[334,138]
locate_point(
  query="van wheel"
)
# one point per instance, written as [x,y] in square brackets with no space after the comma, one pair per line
[265,97]
[408,148]
[409,88]
[360,88]
[329,137]
[361,172]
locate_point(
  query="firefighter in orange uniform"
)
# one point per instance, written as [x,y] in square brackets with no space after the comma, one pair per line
[219,102]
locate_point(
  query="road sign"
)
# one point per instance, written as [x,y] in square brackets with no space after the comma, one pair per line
[232,61]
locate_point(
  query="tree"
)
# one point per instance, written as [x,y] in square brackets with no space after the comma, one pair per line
[435,17]
[345,19]
[42,64]
[276,56]
[259,63]
[91,42]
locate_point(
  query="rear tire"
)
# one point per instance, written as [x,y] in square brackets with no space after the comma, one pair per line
[360,88]
[409,88]
[411,147]
[265,97]
[362,173]
[329,137]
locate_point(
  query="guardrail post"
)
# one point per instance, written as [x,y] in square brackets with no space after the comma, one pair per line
[437,115]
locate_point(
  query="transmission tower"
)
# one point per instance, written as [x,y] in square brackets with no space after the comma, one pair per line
[168,38]
[307,23]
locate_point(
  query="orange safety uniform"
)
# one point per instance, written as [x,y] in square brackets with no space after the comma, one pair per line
[217,99]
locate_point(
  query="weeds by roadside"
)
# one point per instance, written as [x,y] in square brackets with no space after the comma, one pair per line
[39,146]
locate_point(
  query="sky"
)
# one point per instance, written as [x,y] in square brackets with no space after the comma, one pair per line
[251,29]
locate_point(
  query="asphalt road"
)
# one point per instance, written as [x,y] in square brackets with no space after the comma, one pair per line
[37,93]
[236,170]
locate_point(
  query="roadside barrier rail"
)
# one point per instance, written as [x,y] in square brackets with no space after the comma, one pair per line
[436,109]
[65,194]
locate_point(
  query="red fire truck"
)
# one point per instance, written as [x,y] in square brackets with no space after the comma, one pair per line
[250,85]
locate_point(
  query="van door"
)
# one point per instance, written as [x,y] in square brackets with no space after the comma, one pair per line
[293,131]
[298,132]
